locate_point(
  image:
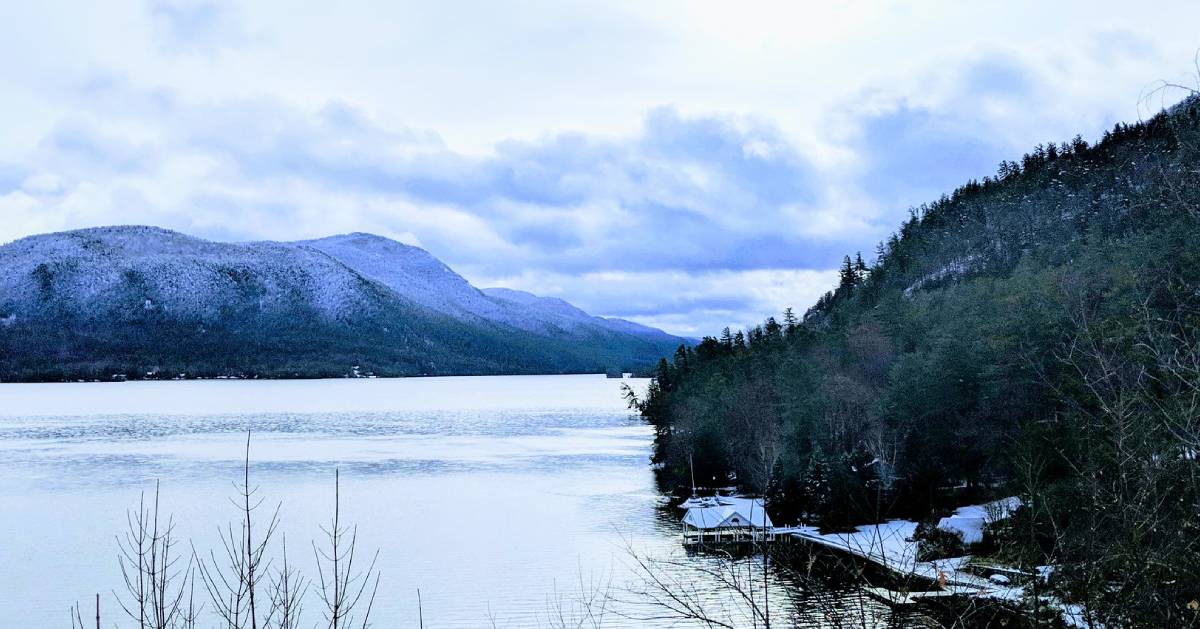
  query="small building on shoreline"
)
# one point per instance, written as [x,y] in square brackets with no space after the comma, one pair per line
[724,519]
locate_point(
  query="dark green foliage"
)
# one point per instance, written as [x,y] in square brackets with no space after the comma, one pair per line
[147,345]
[1034,333]
[934,543]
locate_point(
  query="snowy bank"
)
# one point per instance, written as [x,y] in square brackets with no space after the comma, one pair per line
[891,546]
[969,521]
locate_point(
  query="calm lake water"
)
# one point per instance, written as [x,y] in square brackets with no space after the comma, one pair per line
[496,496]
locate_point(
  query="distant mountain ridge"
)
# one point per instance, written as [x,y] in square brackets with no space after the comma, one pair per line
[141,301]
[417,275]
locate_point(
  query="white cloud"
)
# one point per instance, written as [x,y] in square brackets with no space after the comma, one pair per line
[682,163]
[43,183]
[689,303]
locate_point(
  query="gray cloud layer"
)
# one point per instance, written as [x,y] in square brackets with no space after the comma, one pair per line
[691,220]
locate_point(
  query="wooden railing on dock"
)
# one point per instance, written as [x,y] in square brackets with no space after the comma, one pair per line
[694,537]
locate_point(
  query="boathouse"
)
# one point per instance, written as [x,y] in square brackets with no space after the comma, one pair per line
[722,520]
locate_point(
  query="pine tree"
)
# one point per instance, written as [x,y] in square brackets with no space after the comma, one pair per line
[789,321]
[662,375]
[681,360]
[860,268]
[772,331]
[847,277]
[1079,145]
[816,487]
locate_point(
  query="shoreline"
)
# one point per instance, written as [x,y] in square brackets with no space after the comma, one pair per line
[118,378]
[509,393]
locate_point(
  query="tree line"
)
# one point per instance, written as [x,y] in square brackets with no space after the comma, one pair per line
[1034,333]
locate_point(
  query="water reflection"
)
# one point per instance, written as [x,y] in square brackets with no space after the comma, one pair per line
[500,509]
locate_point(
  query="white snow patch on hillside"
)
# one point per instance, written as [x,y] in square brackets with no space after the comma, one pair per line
[954,269]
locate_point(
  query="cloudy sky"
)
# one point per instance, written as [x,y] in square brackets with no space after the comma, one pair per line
[688,165]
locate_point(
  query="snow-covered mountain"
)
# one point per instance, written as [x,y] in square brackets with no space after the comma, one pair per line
[410,271]
[138,300]
[116,273]
[551,311]
[418,276]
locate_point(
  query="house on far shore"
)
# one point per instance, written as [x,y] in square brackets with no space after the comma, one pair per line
[725,520]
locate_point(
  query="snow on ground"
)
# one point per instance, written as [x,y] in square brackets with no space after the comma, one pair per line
[970,520]
[1075,616]
[890,545]
[886,544]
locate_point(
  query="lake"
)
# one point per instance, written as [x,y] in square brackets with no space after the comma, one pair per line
[500,498]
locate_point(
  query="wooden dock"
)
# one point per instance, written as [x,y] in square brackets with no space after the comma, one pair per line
[888,546]
[899,599]
[717,537]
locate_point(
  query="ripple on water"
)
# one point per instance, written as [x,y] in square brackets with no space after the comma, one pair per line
[497,512]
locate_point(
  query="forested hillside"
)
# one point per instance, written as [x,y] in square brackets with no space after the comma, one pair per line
[1033,334]
[141,302]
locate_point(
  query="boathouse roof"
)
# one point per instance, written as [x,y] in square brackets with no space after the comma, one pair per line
[729,512]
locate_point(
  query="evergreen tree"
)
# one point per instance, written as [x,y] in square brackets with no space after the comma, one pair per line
[772,331]
[860,269]
[816,486]
[1078,145]
[682,364]
[789,321]
[663,376]
[847,277]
